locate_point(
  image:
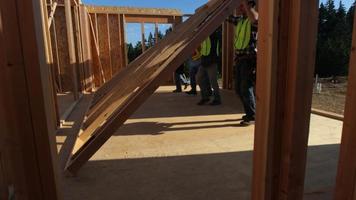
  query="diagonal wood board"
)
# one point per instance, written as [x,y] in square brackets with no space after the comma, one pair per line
[121,96]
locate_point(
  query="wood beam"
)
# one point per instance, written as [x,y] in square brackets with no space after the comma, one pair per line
[51,15]
[156,33]
[346,176]
[86,46]
[149,19]
[133,11]
[143,43]
[71,48]
[27,144]
[124,39]
[228,55]
[286,58]
[109,45]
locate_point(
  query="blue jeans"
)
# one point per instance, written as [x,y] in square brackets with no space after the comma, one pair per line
[208,78]
[245,85]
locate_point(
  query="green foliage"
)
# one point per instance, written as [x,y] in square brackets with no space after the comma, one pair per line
[134,51]
[334,39]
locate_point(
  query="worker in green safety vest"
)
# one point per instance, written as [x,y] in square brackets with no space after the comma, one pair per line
[245,45]
[207,76]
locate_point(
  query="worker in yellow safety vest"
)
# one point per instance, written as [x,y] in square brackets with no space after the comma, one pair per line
[208,72]
[245,45]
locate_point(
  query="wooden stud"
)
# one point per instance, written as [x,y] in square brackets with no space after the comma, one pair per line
[71,48]
[228,55]
[121,42]
[156,33]
[87,55]
[109,45]
[79,50]
[287,41]
[123,25]
[346,175]
[143,39]
[51,15]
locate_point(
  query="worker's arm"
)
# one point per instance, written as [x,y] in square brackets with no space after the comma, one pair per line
[250,12]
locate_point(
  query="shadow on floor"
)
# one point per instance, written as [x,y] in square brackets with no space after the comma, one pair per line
[157,128]
[220,176]
[165,104]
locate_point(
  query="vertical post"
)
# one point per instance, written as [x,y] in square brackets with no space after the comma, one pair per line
[228,55]
[71,47]
[288,30]
[109,45]
[28,167]
[143,37]
[156,32]
[79,49]
[86,46]
[346,176]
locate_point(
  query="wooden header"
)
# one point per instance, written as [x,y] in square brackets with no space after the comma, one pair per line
[133,11]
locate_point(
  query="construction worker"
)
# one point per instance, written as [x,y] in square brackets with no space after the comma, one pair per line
[208,73]
[245,45]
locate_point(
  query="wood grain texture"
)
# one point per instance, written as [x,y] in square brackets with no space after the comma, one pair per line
[132,10]
[27,145]
[63,55]
[115,46]
[104,45]
[346,176]
[284,91]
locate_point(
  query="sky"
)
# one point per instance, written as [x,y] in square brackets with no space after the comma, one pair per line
[186,7]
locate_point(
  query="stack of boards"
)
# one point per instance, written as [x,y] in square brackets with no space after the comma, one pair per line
[120,97]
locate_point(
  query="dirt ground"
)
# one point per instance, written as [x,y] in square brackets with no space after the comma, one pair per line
[332,97]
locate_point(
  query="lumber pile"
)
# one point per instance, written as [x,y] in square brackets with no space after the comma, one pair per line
[121,96]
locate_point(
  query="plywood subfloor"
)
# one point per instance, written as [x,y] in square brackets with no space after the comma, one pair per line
[172,149]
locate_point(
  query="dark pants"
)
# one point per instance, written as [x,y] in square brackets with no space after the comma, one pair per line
[207,79]
[245,80]
[193,71]
[177,79]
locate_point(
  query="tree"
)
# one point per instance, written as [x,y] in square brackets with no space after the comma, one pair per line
[151,40]
[334,40]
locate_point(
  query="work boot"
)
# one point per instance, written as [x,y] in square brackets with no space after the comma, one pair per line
[192,92]
[202,102]
[247,121]
[215,103]
[177,91]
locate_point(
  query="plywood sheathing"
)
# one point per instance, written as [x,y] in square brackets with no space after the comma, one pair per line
[104,48]
[116,54]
